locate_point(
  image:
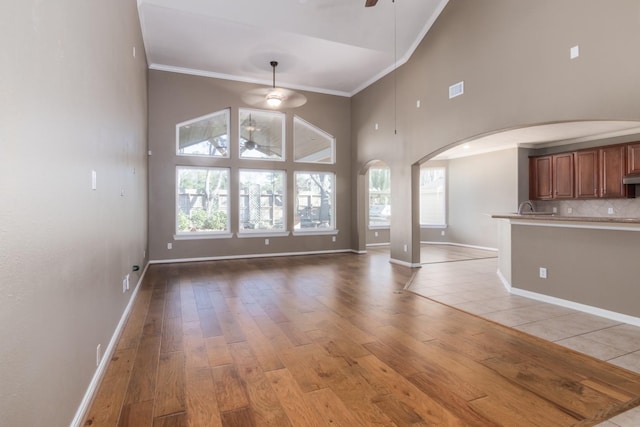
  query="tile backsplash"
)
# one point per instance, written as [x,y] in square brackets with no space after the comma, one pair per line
[625,208]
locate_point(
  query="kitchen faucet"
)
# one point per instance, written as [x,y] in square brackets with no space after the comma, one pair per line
[523,204]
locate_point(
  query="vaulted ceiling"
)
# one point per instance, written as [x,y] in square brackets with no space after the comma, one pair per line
[329,46]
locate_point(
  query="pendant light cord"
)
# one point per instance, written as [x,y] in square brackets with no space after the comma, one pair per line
[395,68]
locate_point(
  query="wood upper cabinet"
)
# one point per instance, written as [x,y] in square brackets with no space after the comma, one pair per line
[587,174]
[540,178]
[563,176]
[633,158]
[551,177]
[612,170]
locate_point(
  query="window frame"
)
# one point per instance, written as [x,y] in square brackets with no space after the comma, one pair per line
[242,232]
[445,196]
[381,226]
[283,130]
[194,235]
[303,122]
[227,114]
[333,228]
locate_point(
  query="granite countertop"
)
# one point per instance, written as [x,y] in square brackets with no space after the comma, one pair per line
[569,218]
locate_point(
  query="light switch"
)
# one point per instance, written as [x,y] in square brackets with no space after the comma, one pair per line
[574,52]
[94,180]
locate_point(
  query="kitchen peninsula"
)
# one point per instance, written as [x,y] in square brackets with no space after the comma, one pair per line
[586,263]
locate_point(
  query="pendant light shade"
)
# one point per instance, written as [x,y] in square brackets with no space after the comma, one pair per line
[274,97]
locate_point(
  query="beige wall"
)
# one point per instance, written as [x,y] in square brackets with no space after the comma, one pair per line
[598,268]
[477,187]
[174,98]
[73,101]
[513,56]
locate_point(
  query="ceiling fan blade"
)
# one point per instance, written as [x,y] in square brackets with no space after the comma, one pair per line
[369,3]
[258,98]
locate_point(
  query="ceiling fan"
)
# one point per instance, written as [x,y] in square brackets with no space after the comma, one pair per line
[274,97]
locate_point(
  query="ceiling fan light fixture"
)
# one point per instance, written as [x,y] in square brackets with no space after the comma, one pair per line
[274,99]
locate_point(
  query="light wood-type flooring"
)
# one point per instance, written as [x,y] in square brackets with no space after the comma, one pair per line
[334,340]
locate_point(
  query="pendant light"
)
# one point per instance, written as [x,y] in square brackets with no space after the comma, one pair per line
[274,97]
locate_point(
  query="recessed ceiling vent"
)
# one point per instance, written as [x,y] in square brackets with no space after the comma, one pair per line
[456,89]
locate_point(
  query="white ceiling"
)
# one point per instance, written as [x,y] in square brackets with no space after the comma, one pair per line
[546,135]
[337,47]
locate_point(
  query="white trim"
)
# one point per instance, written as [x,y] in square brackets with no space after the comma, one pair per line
[378,244]
[596,311]
[486,248]
[248,234]
[200,236]
[429,226]
[81,413]
[404,263]
[379,227]
[315,232]
[504,281]
[232,257]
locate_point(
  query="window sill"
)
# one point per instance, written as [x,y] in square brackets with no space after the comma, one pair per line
[379,227]
[250,234]
[315,232]
[434,226]
[201,236]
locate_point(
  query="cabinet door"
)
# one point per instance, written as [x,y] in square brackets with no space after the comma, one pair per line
[587,174]
[540,178]
[563,176]
[633,158]
[612,170]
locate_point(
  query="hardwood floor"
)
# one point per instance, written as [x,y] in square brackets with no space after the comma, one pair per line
[333,340]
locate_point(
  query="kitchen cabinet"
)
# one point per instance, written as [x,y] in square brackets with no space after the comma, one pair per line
[563,176]
[633,158]
[551,177]
[612,170]
[599,173]
[540,178]
[587,174]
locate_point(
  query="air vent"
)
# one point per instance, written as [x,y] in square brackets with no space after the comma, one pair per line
[456,90]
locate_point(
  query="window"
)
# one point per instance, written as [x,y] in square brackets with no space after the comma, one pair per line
[315,201]
[379,197]
[433,201]
[202,200]
[261,135]
[262,201]
[311,144]
[204,136]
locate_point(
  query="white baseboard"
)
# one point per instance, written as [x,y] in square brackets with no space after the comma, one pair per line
[81,413]
[596,311]
[404,263]
[504,281]
[231,257]
[460,244]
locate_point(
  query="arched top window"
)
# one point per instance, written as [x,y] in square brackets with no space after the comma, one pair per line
[204,136]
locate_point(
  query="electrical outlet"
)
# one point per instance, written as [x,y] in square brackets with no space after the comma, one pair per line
[543,273]
[554,210]
[169,245]
[569,210]
[610,211]
[406,248]
[98,354]
[333,238]
[442,233]
[266,242]
[375,234]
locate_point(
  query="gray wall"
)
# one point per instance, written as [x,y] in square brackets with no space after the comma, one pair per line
[174,98]
[478,186]
[513,56]
[73,100]
[570,254]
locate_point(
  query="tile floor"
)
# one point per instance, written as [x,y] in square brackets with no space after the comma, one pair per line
[473,286]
